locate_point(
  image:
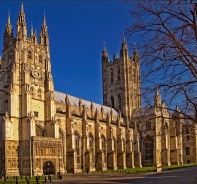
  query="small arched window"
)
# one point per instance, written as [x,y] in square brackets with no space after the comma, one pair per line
[112,102]
[103,142]
[77,146]
[188,137]
[29,54]
[112,75]
[148,126]
[91,141]
[118,73]
[40,58]
[119,102]
[187,149]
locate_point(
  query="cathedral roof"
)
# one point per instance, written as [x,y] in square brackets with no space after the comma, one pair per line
[59,96]
[146,111]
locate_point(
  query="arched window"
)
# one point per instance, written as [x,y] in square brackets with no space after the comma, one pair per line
[112,75]
[91,144]
[119,102]
[118,73]
[77,146]
[91,141]
[40,58]
[112,102]
[148,148]
[148,126]
[187,149]
[103,142]
[188,137]
[29,55]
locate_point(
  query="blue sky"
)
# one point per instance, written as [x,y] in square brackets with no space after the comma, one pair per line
[77,30]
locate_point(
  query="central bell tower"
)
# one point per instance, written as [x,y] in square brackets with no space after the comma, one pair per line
[121,81]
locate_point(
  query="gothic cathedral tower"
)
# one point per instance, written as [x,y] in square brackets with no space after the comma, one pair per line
[26,94]
[121,81]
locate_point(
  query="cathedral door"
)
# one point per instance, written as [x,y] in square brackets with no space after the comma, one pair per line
[48,168]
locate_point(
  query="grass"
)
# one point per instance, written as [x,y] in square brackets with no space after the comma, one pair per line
[139,170]
[132,170]
[172,167]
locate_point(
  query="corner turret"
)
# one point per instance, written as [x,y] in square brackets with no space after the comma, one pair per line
[21,28]
[157,98]
[8,33]
[124,49]
[44,39]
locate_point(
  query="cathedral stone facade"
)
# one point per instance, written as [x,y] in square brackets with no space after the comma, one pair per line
[44,131]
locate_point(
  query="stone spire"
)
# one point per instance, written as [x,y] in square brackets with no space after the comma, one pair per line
[124,49]
[135,53]
[21,24]
[104,54]
[44,39]
[8,29]
[8,33]
[157,98]
[124,43]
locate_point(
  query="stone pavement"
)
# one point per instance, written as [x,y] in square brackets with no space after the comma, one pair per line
[181,176]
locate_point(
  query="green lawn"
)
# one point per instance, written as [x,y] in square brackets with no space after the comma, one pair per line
[139,170]
[172,167]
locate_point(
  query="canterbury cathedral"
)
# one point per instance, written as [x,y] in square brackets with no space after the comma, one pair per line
[44,131]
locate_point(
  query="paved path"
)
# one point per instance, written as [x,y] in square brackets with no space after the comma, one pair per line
[181,176]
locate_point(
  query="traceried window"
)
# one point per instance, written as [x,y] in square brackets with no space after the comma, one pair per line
[148,148]
[91,141]
[29,54]
[77,146]
[111,75]
[91,144]
[118,73]
[112,102]
[119,102]
[40,58]
[148,126]
[187,149]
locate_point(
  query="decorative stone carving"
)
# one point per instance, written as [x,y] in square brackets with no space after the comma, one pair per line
[26,67]
[27,88]
[49,75]
[36,74]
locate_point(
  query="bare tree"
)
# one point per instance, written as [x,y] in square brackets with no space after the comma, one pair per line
[167,45]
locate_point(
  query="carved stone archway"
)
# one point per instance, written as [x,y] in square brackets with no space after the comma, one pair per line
[48,168]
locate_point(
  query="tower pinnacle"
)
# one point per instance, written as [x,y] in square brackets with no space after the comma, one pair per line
[21,24]
[8,28]
[44,39]
[104,53]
